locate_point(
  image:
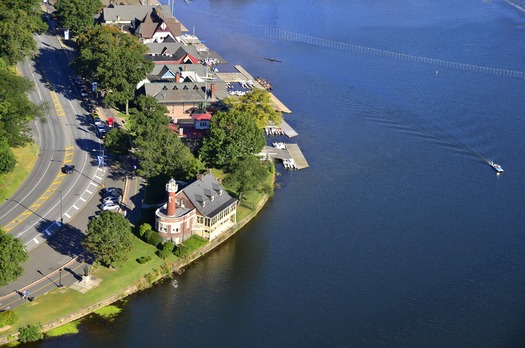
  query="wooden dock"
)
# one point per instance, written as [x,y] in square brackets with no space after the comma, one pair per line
[278,104]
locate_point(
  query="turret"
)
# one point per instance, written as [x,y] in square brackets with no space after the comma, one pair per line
[171,187]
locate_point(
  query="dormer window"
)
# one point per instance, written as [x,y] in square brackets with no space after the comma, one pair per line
[212,197]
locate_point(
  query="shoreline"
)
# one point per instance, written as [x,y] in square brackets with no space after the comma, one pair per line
[177,267]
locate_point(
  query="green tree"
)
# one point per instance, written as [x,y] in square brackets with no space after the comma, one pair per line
[29,333]
[233,136]
[144,228]
[16,111]
[258,104]
[7,157]
[117,141]
[247,175]
[114,59]
[19,19]
[158,148]
[77,15]
[12,256]
[109,238]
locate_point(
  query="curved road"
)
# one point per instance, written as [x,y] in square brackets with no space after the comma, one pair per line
[48,197]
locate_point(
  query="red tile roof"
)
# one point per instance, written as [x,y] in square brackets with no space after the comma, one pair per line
[201,117]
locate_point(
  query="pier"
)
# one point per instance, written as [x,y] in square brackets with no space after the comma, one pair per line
[290,155]
[243,76]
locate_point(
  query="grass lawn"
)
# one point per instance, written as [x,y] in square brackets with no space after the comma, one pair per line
[62,302]
[25,161]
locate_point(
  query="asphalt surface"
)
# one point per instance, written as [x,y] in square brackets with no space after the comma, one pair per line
[51,210]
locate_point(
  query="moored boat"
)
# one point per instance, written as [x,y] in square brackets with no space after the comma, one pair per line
[263,82]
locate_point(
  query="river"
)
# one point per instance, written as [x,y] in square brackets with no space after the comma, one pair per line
[399,234]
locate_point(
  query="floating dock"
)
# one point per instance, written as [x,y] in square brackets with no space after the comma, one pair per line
[290,154]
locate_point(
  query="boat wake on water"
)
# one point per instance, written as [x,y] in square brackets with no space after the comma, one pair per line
[448,134]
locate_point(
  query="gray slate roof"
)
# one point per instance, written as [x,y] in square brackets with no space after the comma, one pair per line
[159,47]
[128,13]
[200,191]
[161,69]
[184,92]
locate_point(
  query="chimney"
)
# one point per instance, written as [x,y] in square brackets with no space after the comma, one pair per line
[185,68]
[171,187]
[177,77]
[200,177]
[212,91]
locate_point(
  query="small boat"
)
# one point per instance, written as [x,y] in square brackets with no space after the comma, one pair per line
[273,60]
[497,167]
[263,82]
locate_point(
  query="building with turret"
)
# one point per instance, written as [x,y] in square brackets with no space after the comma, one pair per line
[203,208]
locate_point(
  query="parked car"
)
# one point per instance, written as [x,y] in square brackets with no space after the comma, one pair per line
[111,191]
[111,199]
[101,131]
[110,207]
[96,120]
[68,169]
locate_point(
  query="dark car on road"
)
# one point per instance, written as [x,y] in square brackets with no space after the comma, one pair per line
[68,169]
[111,191]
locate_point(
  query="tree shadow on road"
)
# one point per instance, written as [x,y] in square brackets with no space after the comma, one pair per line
[65,240]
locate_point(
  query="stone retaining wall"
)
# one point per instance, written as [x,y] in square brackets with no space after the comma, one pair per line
[177,267]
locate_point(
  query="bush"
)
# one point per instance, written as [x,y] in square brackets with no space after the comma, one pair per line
[152,238]
[143,259]
[8,318]
[182,251]
[166,250]
[29,333]
[144,228]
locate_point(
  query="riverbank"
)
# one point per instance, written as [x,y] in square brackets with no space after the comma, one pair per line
[148,278]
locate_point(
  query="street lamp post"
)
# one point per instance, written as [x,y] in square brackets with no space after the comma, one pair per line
[60,279]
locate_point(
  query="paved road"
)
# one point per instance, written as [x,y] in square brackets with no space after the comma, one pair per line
[50,212]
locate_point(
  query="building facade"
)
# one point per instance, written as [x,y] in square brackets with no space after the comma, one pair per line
[203,208]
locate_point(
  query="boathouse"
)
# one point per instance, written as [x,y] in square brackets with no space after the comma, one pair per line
[203,208]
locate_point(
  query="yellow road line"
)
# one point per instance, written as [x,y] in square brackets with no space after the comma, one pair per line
[56,103]
[68,158]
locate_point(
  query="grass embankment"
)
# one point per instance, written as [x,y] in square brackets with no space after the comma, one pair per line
[64,304]
[249,199]
[25,161]
[65,301]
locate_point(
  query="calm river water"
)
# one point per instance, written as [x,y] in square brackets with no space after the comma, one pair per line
[399,234]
